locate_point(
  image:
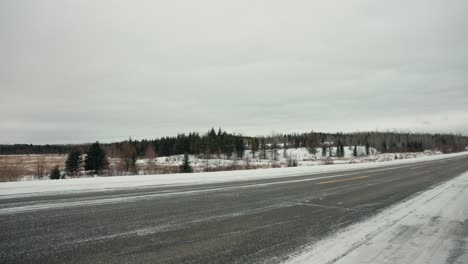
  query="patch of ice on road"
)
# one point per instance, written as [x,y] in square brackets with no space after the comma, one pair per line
[21,189]
[431,227]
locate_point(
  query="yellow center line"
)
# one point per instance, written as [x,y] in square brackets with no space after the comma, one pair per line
[350,179]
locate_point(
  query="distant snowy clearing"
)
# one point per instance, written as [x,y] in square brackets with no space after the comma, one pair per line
[303,156]
[431,227]
[30,188]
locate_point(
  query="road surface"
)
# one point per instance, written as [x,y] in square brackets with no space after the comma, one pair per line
[234,222]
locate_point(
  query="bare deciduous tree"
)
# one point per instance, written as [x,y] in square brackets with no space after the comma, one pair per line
[150,155]
[40,166]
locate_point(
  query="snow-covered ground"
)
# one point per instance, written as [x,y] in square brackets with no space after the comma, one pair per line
[280,157]
[431,227]
[26,164]
[28,188]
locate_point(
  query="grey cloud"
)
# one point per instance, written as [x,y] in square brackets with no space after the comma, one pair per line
[78,71]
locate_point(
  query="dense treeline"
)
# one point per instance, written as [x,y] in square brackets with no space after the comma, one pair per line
[382,141]
[20,149]
[209,144]
[215,143]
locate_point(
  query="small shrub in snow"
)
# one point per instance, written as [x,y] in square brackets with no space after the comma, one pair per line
[292,162]
[55,173]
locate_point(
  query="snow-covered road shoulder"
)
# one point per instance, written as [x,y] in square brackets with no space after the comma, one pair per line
[431,227]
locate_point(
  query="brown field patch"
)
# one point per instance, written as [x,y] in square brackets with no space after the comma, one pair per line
[14,167]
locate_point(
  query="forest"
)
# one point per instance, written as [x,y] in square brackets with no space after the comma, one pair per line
[221,142]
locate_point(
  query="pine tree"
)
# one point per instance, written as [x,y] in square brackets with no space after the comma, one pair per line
[73,163]
[367,149]
[264,149]
[384,147]
[355,151]
[254,146]
[240,147]
[186,167]
[338,149]
[55,173]
[324,150]
[96,159]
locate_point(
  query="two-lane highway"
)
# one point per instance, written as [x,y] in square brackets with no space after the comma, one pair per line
[232,222]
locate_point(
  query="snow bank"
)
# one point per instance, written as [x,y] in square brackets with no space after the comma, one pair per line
[429,228]
[25,188]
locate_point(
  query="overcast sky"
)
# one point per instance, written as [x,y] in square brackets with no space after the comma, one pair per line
[86,70]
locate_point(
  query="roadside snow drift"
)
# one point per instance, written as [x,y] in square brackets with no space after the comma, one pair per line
[431,227]
[31,188]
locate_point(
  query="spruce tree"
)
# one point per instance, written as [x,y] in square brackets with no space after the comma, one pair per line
[240,148]
[338,149]
[96,159]
[324,150]
[254,146]
[186,167]
[55,173]
[355,151]
[264,149]
[73,163]
[367,149]
[384,147]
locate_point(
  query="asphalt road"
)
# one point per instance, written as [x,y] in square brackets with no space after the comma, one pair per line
[242,222]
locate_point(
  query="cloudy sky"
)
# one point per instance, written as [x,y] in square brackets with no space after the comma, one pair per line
[80,71]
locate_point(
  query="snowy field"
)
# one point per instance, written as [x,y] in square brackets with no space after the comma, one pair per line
[431,227]
[30,188]
[24,167]
[280,157]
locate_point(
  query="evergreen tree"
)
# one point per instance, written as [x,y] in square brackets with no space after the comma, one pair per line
[384,147]
[73,163]
[240,147]
[254,146]
[134,165]
[55,173]
[338,149]
[324,150]
[355,151]
[264,149]
[186,167]
[367,149]
[96,159]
